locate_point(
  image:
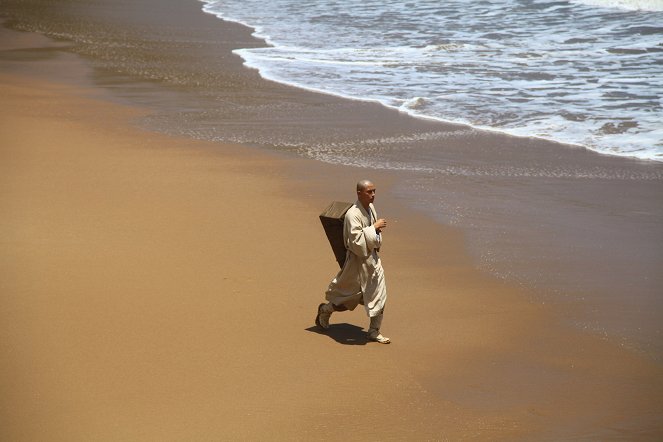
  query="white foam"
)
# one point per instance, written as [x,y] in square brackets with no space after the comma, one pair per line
[633,5]
[572,72]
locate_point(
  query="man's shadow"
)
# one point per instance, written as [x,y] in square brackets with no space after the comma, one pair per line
[346,334]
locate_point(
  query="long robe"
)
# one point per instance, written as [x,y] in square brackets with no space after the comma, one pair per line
[361,280]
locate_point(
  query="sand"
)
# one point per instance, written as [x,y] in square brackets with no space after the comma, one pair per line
[160,288]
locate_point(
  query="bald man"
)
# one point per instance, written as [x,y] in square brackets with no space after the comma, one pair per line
[361,280]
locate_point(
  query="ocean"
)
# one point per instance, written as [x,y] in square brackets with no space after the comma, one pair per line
[587,73]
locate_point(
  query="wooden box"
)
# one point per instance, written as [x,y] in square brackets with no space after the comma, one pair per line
[332,221]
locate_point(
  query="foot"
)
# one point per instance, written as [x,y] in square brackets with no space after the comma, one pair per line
[322,319]
[377,337]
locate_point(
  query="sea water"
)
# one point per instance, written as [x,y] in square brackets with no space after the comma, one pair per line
[588,73]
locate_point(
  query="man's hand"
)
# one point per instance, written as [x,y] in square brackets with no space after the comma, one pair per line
[380,225]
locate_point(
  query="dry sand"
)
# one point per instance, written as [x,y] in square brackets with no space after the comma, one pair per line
[156,288]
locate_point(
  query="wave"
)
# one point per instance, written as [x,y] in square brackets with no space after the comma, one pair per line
[573,75]
[631,5]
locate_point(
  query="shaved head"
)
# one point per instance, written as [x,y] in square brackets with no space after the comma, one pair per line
[365,192]
[363,184]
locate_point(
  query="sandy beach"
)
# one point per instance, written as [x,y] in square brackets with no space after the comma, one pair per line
[158,287]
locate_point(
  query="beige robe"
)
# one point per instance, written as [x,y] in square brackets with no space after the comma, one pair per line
[361,280]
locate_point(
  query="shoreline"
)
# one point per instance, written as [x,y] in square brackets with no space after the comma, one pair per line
[466,383]
[442,121]
[257,63]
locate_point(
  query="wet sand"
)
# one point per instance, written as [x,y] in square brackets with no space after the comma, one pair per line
[153,289]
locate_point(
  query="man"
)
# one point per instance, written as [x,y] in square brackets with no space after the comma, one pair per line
[361,280]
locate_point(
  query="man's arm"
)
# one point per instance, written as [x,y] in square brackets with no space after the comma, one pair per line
[360,240]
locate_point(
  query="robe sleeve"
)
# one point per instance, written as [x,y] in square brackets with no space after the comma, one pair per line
[360,240]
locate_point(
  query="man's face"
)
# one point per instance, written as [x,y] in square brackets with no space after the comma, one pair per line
[366,195]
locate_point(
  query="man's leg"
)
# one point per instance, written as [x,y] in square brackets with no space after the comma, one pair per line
[324,313]
[374,329]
